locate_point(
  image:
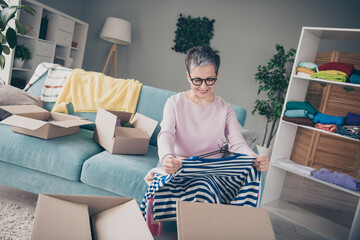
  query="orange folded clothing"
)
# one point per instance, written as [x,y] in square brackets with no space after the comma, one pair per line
[305,70]
[327,127]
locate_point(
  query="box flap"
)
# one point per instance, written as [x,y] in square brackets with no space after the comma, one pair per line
[71,123]
[145,123]
[106,121]
[123,116]
[59,219]
[124,221]
[23,122]
[217,221]
[18,109]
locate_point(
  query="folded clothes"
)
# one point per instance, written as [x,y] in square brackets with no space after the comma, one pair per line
[355,78]
[343,67]
[328,119]
[335,72]
[298,113]
[302,74]
[302,121]
[292,105]
[351,132]
[341,179]
[305,70]
[329,76]
[308,65]
[352,119]
[327,127]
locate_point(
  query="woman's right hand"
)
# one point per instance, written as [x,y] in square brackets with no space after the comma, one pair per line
[171,164]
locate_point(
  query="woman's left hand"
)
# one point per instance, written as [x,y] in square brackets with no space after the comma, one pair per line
[261,163]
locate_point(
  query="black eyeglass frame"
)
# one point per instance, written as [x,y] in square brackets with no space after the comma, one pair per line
[203,80]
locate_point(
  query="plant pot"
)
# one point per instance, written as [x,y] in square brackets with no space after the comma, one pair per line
[18,63]
[264,151]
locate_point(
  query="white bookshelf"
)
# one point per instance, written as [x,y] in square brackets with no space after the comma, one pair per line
[62,31]
[272,197]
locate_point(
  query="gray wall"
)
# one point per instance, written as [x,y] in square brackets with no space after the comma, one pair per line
[245,34]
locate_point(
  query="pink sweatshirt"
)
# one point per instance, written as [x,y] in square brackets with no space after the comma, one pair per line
[189,129]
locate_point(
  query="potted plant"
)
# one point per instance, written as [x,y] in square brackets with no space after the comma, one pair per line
[273,80]
[22,54]
[8,38]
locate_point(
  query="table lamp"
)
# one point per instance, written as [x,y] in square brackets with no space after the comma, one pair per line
[117,31]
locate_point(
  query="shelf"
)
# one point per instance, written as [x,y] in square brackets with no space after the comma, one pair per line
[308,219]
[76,49]
[319,130]
[26,36]
[355,193]
[345,84]
[22,69]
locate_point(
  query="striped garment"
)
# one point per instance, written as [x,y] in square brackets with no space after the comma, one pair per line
[230,180]
[55,80]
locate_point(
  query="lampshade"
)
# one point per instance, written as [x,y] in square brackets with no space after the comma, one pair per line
[116,30]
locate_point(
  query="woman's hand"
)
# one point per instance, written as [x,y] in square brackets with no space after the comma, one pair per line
[172,164]
[261,164]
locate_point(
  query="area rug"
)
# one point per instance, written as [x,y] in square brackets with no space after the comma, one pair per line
[16,221]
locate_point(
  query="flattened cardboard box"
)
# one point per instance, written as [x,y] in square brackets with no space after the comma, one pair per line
[217,221]
[36,121]
[123,140]
[88,217]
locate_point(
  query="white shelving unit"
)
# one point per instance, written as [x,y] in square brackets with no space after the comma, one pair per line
[63,31]
[272,197]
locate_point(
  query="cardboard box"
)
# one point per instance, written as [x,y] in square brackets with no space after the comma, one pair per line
[217,221]
[36,121]
[88,217]
[123,140]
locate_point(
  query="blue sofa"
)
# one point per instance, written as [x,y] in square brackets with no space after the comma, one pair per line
[76,164]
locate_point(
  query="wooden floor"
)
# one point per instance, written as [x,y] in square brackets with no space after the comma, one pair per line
[283,229]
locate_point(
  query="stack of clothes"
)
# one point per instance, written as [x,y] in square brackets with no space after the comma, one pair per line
[300,113]
[304,113]
[337,178]
[306,69]
[334,71]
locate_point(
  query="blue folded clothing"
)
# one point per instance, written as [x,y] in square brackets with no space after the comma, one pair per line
[352,119]
[298,113]
[355,78]
[341,179]
[328,119]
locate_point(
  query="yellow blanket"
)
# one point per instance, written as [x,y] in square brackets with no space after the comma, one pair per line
[89,90]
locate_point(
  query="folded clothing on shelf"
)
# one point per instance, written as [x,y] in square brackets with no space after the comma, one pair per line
[330,75]
[352,119]
[355,78]
[349,131]
[308,65]
[305,70]
[328,119]
[340,66]
[302,74]
[298,113]
[299,120]
[293,105]
[327,127]
[294,166]
[341,179]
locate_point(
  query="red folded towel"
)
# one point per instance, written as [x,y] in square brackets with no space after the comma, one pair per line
[339,66]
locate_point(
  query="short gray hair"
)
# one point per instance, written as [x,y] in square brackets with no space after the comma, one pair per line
[202,56]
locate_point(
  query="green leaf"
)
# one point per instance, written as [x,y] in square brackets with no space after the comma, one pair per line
[2,61]
[6,49]
[27,9]
[7,14]
[11,37]
[2,38]
[20,27]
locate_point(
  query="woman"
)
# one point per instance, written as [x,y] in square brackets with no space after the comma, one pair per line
[194,121]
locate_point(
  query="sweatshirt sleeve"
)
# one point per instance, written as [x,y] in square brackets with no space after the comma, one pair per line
[166,137]
[233,134]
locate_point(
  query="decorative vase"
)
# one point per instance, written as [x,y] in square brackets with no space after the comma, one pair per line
[264,151]
[18,63]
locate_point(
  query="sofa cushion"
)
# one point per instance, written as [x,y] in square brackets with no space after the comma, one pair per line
[121,174]
[151,103]
[63,156]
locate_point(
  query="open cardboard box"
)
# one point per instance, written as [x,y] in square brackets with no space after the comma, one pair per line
[217,221]
[88,217]
[123,140]
[35,121]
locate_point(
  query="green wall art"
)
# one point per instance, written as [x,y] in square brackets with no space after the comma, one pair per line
[192,32]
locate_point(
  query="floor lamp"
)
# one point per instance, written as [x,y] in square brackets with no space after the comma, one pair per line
[117,31]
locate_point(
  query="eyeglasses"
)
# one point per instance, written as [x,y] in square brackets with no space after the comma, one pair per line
[199,81]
